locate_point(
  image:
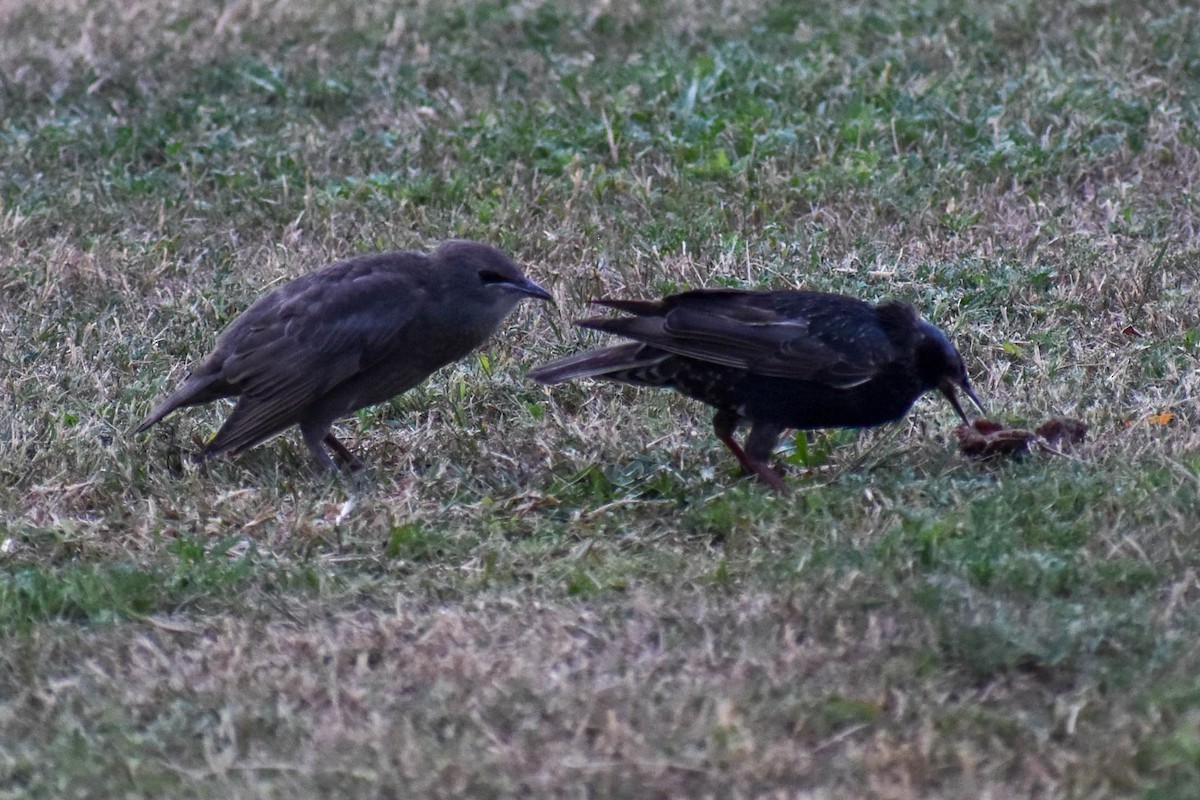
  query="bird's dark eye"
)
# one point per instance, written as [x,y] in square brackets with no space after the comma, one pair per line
[491,276]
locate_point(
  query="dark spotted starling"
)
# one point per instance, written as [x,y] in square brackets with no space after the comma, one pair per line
[349,335]
[775,360]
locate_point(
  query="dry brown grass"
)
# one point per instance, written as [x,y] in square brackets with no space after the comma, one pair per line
[769,694]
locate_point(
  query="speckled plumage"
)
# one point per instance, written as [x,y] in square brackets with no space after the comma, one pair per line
[777,360]
[349,335]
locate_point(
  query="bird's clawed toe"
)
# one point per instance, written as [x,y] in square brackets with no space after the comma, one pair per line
[771,476]
[351,462]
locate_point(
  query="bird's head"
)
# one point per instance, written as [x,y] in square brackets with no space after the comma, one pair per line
[941,367]
[496,278]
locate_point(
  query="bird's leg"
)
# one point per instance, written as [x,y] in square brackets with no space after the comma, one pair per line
[352,462]
[313,436]
[760,444]
[724,425]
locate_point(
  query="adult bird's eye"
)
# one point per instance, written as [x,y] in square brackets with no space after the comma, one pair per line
[491,276]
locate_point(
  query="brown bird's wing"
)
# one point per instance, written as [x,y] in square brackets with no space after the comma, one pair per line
[298,348]
[824,338]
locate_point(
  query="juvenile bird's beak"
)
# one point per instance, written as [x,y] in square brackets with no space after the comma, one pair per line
[533,290]
[947,388]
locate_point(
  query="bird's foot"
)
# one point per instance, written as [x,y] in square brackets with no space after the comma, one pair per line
[351,462]
[772,476]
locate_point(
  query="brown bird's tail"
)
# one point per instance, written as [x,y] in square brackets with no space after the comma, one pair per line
[598,363]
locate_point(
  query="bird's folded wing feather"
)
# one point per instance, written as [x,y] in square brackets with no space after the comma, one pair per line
[802,346]
[308,345]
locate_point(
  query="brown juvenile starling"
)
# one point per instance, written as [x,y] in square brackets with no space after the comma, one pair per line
[346,336]
[775,360]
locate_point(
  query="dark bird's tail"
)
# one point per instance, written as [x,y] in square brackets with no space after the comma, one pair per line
[639,308]
[596,363]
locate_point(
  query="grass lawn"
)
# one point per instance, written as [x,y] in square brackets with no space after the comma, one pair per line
[571,592]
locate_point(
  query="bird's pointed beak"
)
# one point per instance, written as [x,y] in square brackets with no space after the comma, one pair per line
[971,394]
[947,387]
[533,290]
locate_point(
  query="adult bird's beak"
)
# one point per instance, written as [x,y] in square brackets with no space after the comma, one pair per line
[947,388]
[966,387]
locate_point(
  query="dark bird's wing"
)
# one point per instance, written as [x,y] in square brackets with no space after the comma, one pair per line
[812,336]
[298,347]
